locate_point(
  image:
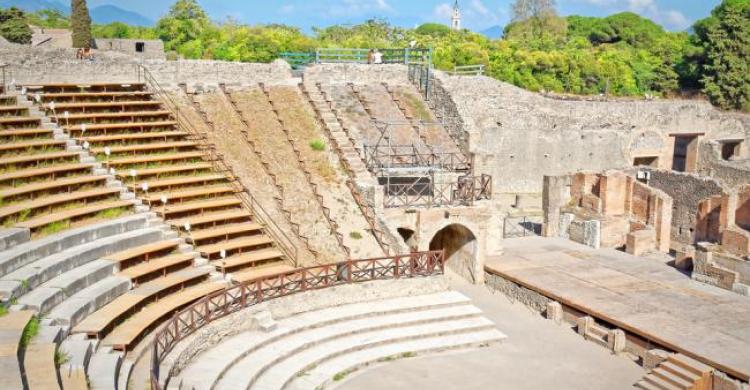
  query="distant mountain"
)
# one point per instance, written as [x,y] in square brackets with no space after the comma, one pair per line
[495,32]
[106,14]
[36,5]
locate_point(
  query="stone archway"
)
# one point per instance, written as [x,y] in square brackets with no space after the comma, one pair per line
[461,249]
[410,238]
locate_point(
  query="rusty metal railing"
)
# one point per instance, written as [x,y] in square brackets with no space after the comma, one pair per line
[425,191]
[253,292]
[408,156]
[4,69]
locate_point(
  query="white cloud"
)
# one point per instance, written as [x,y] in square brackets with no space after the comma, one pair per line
[287,9]
[358,7]
[443,11]
[676,19]
[643,6]
[479,14]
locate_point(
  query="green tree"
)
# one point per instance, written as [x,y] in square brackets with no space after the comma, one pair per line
[536,18]
[182,28]
[13,26]
[80,22]
[725,40]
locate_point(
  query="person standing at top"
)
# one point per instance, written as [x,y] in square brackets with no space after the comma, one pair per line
[378,57]
[370,55]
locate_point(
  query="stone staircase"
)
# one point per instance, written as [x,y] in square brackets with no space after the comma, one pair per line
[678,372]
[309,350]
[351,156]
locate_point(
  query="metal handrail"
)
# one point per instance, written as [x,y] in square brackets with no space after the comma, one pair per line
[223,303]
[468,70]
[264,218]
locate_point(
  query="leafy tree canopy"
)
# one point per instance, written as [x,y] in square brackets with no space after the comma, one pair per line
[13,26]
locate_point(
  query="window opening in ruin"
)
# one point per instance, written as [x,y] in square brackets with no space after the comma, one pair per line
[650,161]
[140,47]
[730,149]
[685,153]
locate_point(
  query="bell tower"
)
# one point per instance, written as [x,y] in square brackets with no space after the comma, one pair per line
[456,18]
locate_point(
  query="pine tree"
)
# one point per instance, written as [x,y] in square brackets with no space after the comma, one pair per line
[80,22]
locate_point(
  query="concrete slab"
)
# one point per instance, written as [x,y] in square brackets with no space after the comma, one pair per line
[642,296]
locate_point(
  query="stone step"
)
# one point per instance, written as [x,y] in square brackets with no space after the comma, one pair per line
[31,251]
[277,376]
[673,379]
[254,365]
[659,383]
[126,369]
[322,375]
[74,309]
[52,293]
[104,369]
[31,276]
[205,371]
[78,350]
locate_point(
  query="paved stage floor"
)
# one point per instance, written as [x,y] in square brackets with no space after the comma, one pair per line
[640,295]
[538,354]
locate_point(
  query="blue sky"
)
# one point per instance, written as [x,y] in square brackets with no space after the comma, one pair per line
[477,14]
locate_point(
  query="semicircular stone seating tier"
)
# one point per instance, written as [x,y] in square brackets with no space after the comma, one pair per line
[97,183]
[315,348]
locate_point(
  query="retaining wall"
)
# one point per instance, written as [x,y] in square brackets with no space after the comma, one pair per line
[36,66]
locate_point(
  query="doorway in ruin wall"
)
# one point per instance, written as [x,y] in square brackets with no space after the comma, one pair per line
[685,152]
[461,249]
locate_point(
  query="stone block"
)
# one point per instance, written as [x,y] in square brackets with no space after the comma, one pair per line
[584,324]
[640,242]
[592,234]
[616,340]
[555,312]
[653,357]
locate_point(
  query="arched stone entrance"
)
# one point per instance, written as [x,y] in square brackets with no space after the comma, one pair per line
[461,249]
[410,238]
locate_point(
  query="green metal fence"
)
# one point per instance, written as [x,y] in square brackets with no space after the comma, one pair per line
[359,56]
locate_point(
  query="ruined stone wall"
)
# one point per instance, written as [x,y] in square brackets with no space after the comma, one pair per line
[687,191]
[152,48]
[35,65]
[524,136]
[731,174]
[446,111]
[357,74]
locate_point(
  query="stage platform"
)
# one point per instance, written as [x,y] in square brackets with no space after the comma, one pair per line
[642,296]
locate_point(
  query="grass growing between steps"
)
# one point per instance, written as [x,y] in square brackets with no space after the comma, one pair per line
[61,357]
[30,331]
[324,169]
[3,310]
[54,227]
[416,106]
[111,213]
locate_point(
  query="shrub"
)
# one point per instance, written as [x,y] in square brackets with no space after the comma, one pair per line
[317,145]
[355,235]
